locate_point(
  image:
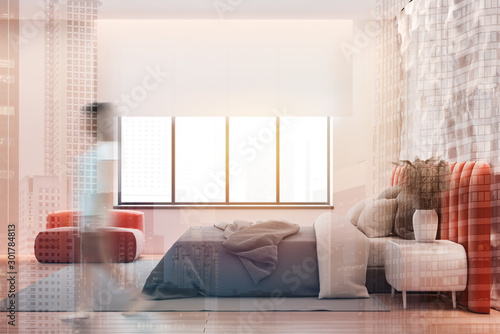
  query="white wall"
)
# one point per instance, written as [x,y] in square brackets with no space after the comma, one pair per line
[165,226]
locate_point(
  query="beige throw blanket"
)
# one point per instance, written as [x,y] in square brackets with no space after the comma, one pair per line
[256,244]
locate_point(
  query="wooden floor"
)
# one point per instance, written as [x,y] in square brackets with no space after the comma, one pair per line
[425,314]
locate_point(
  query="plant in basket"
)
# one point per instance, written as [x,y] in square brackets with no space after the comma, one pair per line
[422,183]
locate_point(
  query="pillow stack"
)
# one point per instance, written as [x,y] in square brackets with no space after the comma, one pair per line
[356,210]
[376,218]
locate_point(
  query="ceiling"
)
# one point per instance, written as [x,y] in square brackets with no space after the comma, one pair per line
[236,9]
[223,9]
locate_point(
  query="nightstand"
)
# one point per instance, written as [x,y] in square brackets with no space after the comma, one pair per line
[440,265]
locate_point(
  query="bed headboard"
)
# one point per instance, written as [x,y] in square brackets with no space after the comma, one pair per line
[465,218]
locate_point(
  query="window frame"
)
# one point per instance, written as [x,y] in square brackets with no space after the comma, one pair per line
[228,204]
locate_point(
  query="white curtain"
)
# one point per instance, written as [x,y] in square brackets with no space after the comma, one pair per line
[450,90]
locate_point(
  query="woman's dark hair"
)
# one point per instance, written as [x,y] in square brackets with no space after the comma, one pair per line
[105,114]
[96,107]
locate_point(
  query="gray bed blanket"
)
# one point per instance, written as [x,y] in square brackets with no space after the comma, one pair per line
[256,244]
[197,264]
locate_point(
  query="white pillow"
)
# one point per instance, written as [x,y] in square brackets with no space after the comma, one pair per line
[342,252]
[377,219]
[355,211]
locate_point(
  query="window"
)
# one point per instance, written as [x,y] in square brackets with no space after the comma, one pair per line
[225,161]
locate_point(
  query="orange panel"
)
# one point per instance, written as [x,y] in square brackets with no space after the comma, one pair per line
[61,218]
[453,203]
[479,220]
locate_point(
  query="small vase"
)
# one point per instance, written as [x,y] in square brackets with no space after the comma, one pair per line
[425,225]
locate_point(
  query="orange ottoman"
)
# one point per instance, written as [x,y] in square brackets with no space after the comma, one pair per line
[65,242]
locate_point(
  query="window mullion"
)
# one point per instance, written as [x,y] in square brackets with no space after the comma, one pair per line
[120,139]
[328,147]
[173,160]
[277,160]
[227,160]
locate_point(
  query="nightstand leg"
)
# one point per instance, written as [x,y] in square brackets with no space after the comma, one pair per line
[404,299]
[392,291]
[454,298]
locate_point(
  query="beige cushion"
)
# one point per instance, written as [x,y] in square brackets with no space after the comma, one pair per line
[390,193]
[377,219]
[355,211]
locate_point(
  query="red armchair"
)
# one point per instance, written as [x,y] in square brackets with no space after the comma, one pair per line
[122,240]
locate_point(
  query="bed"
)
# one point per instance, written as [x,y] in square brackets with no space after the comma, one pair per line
[199,264]
[326,260]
